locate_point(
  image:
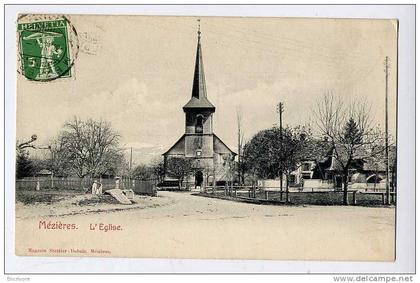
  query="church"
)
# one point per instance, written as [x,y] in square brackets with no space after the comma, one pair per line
[212,160]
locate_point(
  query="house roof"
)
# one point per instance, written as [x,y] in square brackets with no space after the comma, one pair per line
[322,151]
[44,172]
[199,93]
[317,150]
[378,163]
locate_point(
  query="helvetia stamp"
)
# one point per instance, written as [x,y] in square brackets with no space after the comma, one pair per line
[45,49]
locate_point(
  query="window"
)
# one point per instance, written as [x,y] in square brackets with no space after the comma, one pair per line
[306,166]
[199,124]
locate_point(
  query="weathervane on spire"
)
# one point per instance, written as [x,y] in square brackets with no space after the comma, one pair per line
[199,26]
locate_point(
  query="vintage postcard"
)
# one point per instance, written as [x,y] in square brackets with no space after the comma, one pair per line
[206,137]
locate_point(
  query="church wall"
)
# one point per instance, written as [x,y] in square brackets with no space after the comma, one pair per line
[203,164]
[197,142]
[224,166]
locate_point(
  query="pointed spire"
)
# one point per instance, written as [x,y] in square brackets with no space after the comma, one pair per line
[199,92]
[199,31]
[199,85]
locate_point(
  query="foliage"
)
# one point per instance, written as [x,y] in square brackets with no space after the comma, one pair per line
[142,172]
[269,152]
[87,148]
[25,167]
[179,168]
[158,169]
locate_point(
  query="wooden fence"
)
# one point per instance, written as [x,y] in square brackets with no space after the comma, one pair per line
[84,184]
[318,197]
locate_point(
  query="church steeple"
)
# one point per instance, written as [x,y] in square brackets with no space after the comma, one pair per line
[199,93]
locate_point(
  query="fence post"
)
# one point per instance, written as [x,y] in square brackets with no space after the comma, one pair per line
[236,194]
[266,195]
[354,198]
[383,198]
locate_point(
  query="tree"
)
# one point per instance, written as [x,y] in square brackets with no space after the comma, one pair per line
[179,168]
[349,129]
[25,167]
[142,172]
[158,169]
[265,158]
[89,148]
[53,159]
[294,143]
[259,154]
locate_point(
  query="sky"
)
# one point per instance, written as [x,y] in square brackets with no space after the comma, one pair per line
[136,72]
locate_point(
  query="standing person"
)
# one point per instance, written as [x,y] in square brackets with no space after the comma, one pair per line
[94,187]
[117,183]
[99,189]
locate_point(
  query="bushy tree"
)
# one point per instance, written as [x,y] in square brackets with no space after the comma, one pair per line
[142,172]
[158,169]
[268,153]
[25,167]
[259,156]
[179,168]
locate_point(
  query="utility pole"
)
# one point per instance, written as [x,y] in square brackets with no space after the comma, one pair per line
[388,198]
[130,165]
[239,121]
[131,159]
[239,152]
[280,110]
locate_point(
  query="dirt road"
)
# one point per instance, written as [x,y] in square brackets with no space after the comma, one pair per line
[190,226]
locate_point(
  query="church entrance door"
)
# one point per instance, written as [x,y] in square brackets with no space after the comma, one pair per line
[199,178]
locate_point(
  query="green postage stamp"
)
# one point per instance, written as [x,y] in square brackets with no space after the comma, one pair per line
[45,49]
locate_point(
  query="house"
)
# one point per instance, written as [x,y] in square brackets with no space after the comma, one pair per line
[212,159]
[321,169]
[44,173]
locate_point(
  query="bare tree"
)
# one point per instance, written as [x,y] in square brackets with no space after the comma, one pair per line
[349,128]
[89,148]
[54,160]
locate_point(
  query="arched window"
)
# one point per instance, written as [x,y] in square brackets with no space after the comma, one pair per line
[199,124]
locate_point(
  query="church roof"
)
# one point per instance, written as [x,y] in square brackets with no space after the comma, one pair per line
[178,148]
[199,94]
[221,147]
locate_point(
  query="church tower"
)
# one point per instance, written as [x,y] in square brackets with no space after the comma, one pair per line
[199,113]
[211,158]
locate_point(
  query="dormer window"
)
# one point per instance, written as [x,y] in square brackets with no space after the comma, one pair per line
[199,124]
